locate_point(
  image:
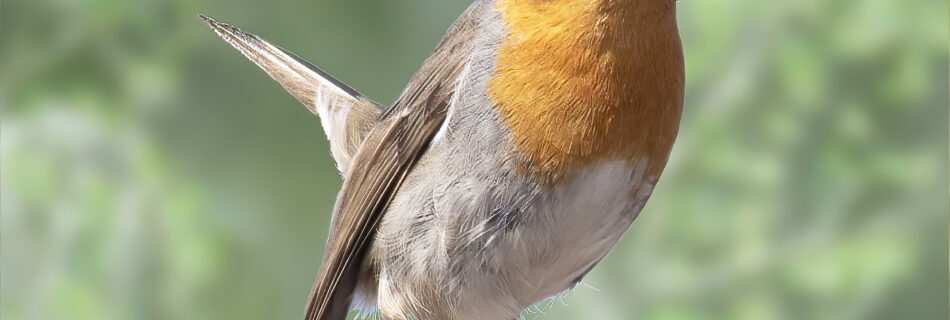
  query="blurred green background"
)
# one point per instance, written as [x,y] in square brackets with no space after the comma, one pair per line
[150,172]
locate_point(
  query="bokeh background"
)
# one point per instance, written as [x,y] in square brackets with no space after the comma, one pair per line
[150,172]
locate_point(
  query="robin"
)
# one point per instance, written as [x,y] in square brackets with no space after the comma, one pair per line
[511,164]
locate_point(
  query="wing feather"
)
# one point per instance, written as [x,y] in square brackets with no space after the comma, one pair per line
[383,161]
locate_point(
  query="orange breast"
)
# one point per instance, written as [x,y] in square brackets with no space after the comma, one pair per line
[579,81]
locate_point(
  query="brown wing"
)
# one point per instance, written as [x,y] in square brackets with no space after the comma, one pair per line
[381,164]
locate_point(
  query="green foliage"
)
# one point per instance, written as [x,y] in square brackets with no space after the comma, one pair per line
[150,172]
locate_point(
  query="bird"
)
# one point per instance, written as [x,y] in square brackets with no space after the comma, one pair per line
[511,164]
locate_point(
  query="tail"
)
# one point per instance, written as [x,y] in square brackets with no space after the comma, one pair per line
[347,118]
[346,115]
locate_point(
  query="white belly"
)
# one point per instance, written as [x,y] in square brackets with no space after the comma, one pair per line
[501,247]
[587,218]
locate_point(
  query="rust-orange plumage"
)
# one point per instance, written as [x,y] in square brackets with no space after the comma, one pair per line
[579,80]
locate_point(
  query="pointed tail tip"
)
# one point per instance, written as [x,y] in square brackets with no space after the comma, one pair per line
[205,18]
[224,30]
[214,24]
[211,21]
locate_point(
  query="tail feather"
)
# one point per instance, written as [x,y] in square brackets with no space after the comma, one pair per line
[346,115]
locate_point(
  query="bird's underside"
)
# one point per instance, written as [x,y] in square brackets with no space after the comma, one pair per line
[467,198]
[483,268]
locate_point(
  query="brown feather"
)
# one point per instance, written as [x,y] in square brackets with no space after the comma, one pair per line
[317,90]
[383,161]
